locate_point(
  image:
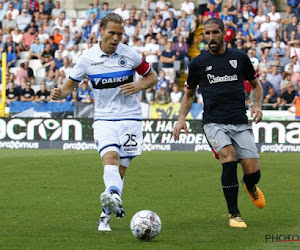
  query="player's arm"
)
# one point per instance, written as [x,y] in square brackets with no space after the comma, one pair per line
[256,112]
[186,104]
[149,80]
[164,59]
[64,90]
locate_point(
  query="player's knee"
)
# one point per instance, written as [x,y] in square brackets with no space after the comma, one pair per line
[227,154]
[111,158]
[250,165]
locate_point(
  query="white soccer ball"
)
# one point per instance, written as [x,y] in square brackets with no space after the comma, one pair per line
[145,225]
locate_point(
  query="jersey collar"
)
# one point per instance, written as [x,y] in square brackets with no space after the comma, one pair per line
[102,54]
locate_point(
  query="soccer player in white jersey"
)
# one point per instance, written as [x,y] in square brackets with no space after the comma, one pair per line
[110,66]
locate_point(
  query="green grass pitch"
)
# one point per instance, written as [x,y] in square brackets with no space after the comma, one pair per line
[49,199]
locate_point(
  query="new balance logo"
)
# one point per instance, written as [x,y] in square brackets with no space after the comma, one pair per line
[208,68]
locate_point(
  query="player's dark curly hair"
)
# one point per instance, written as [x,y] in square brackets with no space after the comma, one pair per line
[214,20]
[111,17]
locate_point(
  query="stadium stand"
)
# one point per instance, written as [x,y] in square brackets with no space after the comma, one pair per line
[71,13]
[24,55]
[150,20]
[35,64]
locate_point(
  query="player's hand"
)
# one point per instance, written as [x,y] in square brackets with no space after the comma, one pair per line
[256,114]
[55,94]
[178,126]
[129,89]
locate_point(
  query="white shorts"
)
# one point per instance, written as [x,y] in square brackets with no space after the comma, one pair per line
[124,137]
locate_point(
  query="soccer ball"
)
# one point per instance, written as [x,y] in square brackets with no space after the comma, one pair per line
[145,225]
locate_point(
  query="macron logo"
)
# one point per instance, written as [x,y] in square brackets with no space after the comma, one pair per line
[208,68]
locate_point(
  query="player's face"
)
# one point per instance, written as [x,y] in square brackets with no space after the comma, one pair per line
[215,38]
[111,36]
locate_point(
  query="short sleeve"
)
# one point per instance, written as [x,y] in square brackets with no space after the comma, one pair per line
[193,77]
[136,57]
[140,65]
[78,72]
[248,70]
[143,69]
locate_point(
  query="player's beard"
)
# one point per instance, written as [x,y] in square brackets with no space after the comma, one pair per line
[217,48]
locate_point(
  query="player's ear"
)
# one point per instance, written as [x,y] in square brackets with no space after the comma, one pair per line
[101,31]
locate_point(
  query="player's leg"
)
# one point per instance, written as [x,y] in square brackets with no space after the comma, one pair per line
[108,198]
[229,179]
[109,170]
[124,164]
[129,137]
[251,178]
[122,171]
[107,143]
[230,185]
[221,143]
[247,154]
[111,175]
[111,198]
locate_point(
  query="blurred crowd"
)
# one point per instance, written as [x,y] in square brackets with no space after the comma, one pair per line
[44,37]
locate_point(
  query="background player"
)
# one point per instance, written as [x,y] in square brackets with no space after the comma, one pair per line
[220,72]
[110,66]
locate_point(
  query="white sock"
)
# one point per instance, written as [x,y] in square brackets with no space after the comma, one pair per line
[112,179]
[105,214]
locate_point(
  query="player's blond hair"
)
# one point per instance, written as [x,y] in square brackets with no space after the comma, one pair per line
[111,17]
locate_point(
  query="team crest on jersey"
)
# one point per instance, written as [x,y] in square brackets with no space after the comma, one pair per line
[233,63]
[215,143]
[122,62]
